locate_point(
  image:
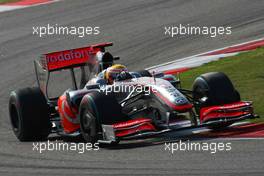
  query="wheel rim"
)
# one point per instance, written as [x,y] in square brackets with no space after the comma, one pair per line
[88,124]
[199,93]
[14,119]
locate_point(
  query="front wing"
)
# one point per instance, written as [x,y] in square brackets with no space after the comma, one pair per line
[144,127]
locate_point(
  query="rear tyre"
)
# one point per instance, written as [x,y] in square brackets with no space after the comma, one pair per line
[97,108]
[29,114]
[217,89]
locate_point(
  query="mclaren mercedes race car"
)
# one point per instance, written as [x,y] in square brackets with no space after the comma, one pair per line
[137,105]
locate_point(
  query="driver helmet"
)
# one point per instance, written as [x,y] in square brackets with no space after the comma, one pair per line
[112,72]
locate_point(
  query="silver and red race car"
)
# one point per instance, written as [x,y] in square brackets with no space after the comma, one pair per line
[138,104]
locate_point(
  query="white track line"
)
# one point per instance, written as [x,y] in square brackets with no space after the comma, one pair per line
[238,138]
[201,55]
[4,8]
[191,62]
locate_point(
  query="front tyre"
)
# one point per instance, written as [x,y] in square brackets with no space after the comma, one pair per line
[88,125]
[214,89]
[29,115]
[96,109]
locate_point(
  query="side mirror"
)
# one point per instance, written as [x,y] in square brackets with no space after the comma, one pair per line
[116,58]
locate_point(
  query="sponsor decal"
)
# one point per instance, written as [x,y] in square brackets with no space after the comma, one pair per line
[67,58]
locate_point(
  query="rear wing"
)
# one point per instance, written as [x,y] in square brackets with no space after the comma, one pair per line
[67,59]
[71,58]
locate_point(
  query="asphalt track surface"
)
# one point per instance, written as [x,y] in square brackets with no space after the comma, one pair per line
[137,29]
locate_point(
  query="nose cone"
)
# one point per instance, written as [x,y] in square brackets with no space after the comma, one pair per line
[173,98]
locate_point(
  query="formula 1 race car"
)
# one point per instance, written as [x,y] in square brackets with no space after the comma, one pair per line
[138,104]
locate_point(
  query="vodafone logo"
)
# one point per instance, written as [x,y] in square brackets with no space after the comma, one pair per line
[67,56]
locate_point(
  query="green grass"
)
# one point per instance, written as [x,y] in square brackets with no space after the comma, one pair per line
[246,71]
[8,1]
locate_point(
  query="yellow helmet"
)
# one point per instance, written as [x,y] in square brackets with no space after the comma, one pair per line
[112,72]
